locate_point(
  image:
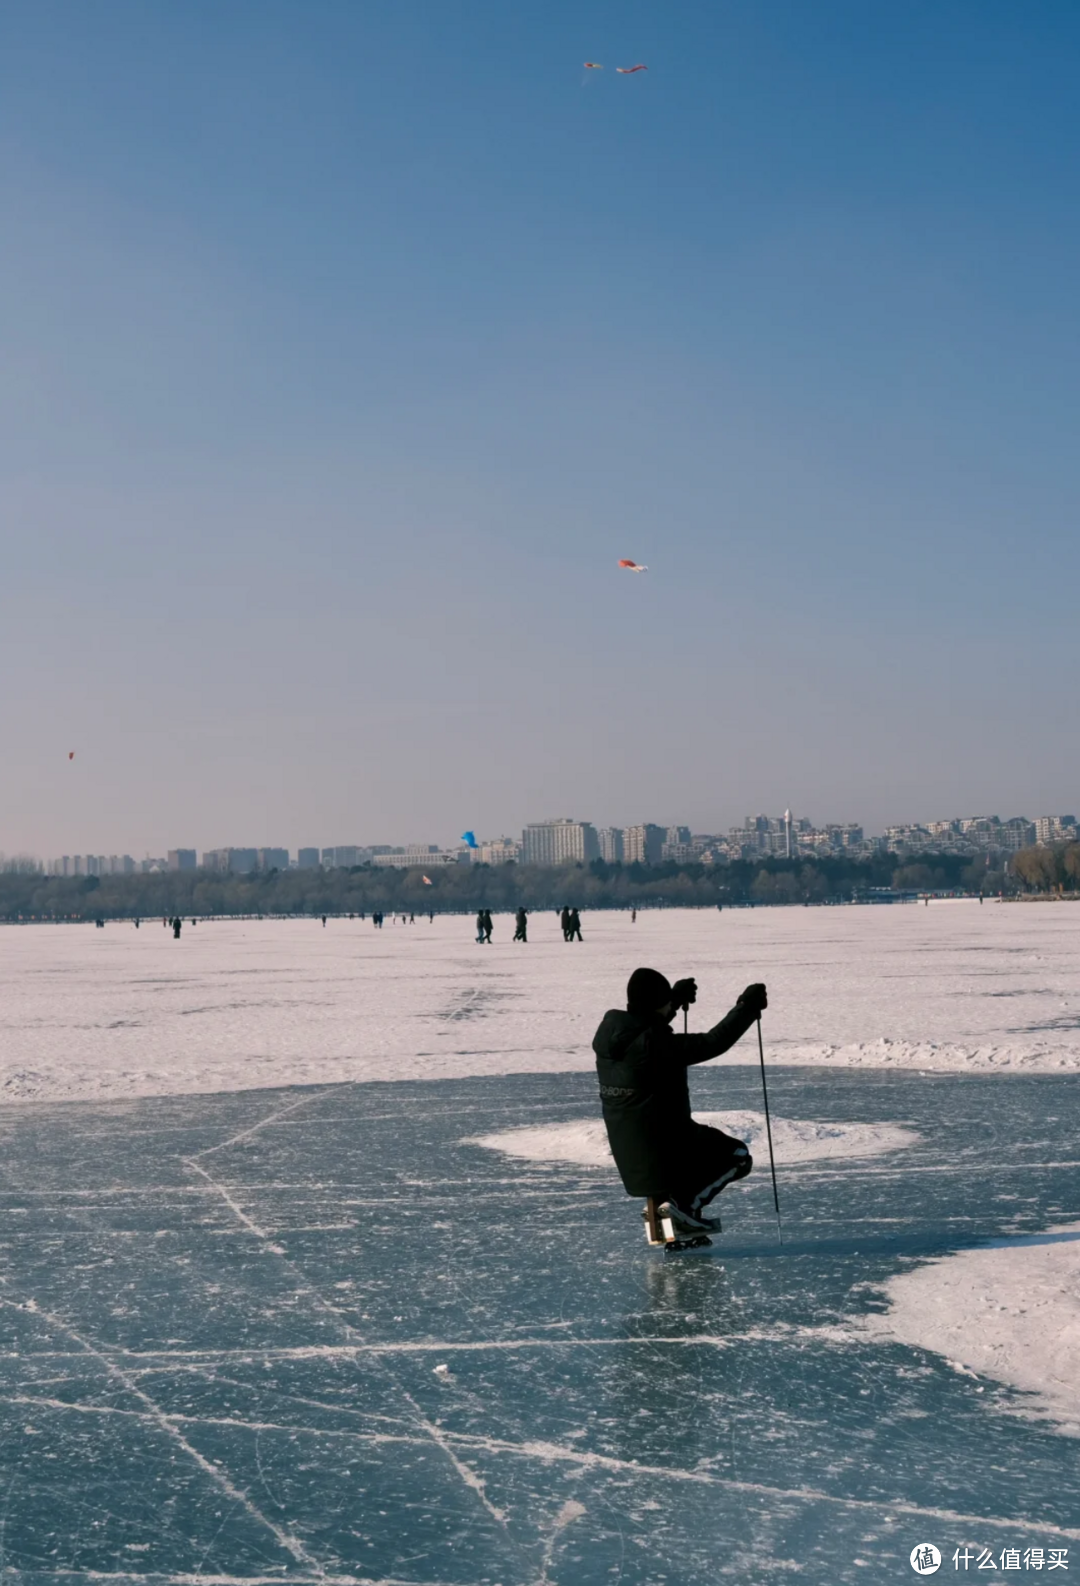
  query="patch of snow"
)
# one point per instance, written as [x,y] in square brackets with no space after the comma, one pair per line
[1008,1311]
[584,1142]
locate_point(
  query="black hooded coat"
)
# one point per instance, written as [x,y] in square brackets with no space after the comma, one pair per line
[641,1064]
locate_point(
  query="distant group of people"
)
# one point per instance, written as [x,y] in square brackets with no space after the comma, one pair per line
[569,921]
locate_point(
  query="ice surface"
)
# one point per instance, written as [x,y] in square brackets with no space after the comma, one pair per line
[313,1335]
[794,1139]
[232,1005]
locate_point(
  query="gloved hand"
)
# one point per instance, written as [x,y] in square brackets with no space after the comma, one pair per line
[684,992]
[754,997]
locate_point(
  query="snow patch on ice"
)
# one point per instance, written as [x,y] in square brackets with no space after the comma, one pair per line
[938,1056]
[1009,1311]
[584,1142]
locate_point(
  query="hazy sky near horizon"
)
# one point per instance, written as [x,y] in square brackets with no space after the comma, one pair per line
[346,347]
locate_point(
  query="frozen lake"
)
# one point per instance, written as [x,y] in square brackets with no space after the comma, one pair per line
[407,1330]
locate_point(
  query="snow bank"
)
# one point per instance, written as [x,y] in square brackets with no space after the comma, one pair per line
[794,1140]
[1009,1311]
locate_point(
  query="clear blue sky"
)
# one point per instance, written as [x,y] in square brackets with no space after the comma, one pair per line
[346,347]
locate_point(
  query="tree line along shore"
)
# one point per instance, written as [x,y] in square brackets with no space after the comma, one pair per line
[459,889]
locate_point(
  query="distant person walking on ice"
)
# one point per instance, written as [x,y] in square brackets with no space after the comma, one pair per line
[481,930]
[176,924]
[573,933]
[521,921]
[488,925]
[564,921]
[642,1064]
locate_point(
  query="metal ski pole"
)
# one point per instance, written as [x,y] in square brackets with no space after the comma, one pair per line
[768,1130]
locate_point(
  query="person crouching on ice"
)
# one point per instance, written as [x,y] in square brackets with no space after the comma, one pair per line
[641,1063]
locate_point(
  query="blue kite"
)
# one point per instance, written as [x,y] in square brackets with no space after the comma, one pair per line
[469,839]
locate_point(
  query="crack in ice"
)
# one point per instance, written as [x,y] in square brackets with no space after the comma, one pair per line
[156,1414]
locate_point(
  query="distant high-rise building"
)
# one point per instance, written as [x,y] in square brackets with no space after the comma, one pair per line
[610,839]
[237,861]
[344,858]
[1056,829]
[307,859]
[676,845]
[496,851]
[183,859]
[560,842]
[846,836]
[779,835]
[273,858]
[644,845]
[1017,833]
[714,852]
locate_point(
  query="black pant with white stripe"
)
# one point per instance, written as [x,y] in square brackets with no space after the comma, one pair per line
[712,1160]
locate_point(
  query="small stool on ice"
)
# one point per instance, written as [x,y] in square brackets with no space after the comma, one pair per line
[659,1230]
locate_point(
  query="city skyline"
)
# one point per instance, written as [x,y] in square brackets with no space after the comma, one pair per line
[565,841]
